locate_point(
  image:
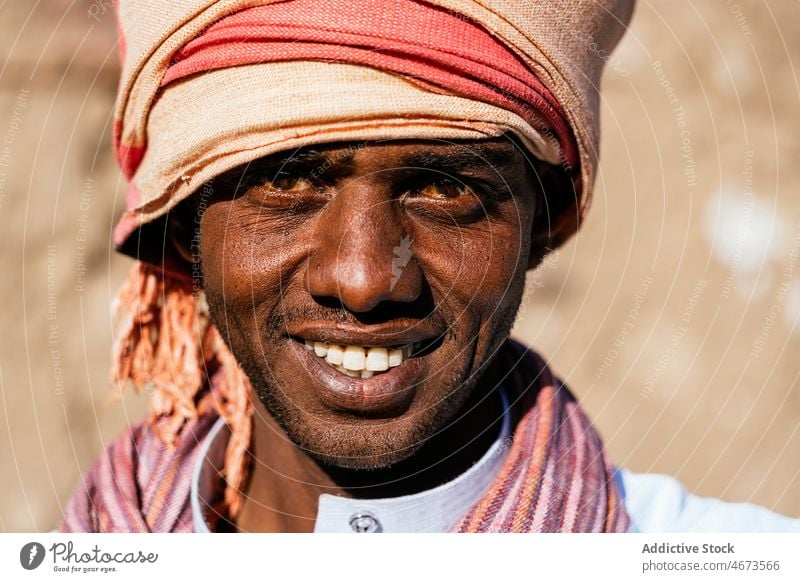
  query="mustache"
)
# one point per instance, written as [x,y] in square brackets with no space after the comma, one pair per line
[422,310]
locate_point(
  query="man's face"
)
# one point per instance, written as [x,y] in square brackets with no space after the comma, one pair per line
[404,258]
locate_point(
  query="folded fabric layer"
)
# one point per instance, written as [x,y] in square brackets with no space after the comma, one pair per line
[440,50]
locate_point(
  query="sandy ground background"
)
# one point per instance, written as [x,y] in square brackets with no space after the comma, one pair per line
[673,315]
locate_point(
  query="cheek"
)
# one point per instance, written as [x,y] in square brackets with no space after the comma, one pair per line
[477,270]
[248,261]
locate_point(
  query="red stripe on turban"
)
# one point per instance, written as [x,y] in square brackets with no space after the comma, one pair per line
[441,50]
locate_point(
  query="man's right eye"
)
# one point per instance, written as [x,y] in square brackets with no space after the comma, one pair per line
[443,190]
[295,189]
[287,182]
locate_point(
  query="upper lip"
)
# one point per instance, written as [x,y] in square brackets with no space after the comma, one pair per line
[384,335]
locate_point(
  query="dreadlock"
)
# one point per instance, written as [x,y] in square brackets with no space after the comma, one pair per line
[165,341]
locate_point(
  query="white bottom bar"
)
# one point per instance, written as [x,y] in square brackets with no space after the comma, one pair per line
[500,557]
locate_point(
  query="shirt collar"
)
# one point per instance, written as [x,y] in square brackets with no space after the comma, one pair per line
[434,510]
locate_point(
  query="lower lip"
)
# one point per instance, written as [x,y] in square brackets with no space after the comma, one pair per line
[383,393]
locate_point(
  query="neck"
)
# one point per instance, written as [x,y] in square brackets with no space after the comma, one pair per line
[285,483]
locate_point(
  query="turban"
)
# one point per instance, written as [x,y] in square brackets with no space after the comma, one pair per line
[208,86]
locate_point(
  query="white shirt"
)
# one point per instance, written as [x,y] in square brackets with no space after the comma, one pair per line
[431,511]
[655,503]
[658,503]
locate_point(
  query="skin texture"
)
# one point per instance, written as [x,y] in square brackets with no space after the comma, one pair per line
[305,245]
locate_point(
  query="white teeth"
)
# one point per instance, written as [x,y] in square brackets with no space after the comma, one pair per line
[320,349]
[377,360]
[358,361]
[354,358]
[350,373]
[335,355]
[395,358]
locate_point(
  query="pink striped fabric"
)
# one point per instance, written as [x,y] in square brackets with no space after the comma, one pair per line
[556,477]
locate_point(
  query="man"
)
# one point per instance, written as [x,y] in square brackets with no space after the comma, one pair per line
[334,205]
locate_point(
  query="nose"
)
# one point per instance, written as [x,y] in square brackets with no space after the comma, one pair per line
[360,254]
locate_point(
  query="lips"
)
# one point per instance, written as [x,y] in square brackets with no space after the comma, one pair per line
[364,373]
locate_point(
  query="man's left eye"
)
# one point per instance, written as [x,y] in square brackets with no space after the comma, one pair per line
[443,189]
[286,182]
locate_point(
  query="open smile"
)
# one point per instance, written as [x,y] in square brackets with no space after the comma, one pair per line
[367,375]
[359,361]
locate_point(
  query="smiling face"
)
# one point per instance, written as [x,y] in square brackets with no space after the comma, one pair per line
[364,288]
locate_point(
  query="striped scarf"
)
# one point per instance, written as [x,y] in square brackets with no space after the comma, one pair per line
[555,478]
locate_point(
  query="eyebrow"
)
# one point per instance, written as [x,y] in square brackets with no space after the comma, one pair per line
[463,158]
[305,156]
[338,157]
[340,161]
[336,163]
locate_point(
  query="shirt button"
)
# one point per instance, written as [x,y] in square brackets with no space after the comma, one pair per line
[365,522]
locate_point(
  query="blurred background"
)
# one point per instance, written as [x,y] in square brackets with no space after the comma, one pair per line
[673,315]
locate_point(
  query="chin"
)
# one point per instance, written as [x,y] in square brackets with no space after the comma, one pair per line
[379,450]
[347,441]
[360,423]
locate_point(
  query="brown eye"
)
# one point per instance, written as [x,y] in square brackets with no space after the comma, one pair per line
[444,189]
[286,182]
